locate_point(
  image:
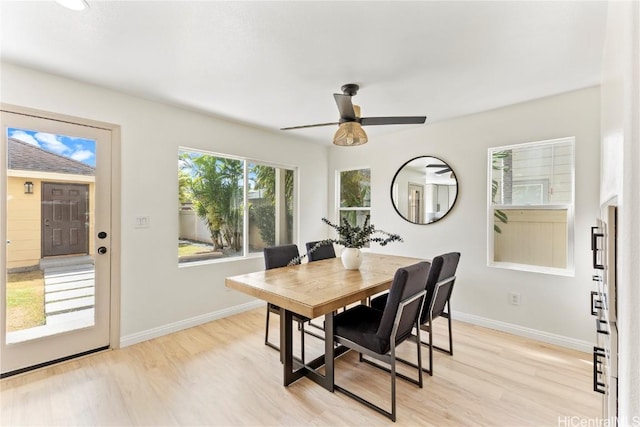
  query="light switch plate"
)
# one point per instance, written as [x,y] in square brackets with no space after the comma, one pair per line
[142,222]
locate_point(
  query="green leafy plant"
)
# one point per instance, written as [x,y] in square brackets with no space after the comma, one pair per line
[353,236]
[265,180]
[265,219]
[497,213]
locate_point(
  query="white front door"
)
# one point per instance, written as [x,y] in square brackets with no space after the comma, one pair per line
[56,220]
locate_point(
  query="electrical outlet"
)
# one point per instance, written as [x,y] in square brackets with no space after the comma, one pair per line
[514,298]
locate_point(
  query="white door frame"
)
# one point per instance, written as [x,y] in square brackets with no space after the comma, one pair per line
[115,227]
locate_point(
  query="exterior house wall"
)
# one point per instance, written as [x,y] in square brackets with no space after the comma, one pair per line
[24,216]
[23,224]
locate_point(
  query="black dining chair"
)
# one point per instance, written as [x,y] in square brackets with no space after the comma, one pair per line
[323,250]
[276,257]
[375,333]
[439,287]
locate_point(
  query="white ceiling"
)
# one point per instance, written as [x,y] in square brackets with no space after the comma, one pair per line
[277,64]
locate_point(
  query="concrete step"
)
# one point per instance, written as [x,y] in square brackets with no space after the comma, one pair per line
[70,277]
[79,318]
[69,285]
[65,261]
[69,294]
[69,305]
[69,269]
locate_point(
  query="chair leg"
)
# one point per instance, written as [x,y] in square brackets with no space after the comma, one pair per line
[450,334]
[419,355]
[428,326]
[430,348]
[302,340]
[276,347]
[393,386]
[449,350]
[266,337]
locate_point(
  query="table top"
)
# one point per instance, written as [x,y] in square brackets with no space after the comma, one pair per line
[320,287]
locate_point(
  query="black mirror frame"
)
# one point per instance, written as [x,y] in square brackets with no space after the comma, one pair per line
[393,203]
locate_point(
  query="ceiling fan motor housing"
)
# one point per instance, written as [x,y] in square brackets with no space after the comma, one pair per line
[350,89]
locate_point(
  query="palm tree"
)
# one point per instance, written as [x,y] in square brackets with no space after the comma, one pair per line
[216,186]
[231,175]
[355,191]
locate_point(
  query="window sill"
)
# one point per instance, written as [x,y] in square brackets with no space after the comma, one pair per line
[568,272]
[219,260]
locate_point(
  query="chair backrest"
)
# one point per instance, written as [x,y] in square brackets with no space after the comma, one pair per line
[279,256]
[407,282]
[324,251]
[443,267]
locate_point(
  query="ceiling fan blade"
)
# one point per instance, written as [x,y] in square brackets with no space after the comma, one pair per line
[345,106]
[435,165]
[310,126]
[408,120]
[443,171]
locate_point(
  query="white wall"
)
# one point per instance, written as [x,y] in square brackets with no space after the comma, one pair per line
[621,179]
[157,296]
[553,308]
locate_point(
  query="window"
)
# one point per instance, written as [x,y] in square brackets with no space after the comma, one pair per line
[355,196]
[531,206]
[231,207]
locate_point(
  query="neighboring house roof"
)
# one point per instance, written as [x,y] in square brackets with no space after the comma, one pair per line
[23,156]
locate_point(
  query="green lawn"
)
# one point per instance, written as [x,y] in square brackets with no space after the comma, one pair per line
[185,249]
[25,300]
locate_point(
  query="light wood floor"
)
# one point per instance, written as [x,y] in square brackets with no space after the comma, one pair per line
[221,373]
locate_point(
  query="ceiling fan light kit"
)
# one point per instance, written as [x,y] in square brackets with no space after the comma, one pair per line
[350,130]
[350,134]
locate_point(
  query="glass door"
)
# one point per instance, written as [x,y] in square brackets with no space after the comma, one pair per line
[56,224]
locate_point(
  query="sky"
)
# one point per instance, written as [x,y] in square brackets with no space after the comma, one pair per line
[80,149]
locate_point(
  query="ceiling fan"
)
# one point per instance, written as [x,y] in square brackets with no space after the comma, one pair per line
[350,130]
[443,168]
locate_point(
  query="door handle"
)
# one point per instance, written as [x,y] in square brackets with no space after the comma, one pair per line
[102,250]
[46,222]
[597,245]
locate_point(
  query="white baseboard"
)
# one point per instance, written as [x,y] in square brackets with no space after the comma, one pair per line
[522,331]
[187,323]
[535,334]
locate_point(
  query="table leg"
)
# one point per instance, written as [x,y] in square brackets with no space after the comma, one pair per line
[286,341]
[329,356]
[286,349]
[310,369]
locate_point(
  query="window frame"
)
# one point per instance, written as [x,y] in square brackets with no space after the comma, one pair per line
[569,270]
[246,254]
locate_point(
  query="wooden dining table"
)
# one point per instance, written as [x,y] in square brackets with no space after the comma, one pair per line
[317,289]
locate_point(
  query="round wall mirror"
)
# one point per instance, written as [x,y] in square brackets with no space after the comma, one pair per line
[424,190]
